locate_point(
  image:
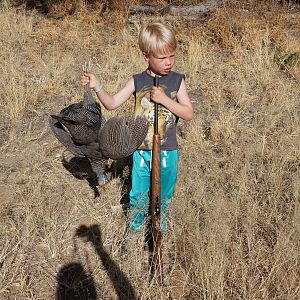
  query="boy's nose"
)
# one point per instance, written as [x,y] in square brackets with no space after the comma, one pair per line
[168,62]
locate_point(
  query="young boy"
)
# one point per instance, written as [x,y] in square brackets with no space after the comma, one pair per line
[158,45]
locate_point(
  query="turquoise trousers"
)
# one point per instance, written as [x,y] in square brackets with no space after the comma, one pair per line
[140,191]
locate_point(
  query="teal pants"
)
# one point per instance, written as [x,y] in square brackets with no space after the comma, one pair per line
[140,191]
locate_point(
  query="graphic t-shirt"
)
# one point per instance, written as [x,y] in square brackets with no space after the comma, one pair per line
[167,121]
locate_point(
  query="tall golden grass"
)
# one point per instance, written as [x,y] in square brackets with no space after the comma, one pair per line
[235,217]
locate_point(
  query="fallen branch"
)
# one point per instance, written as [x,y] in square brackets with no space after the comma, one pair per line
[193,12]
[146,9]
[189,12]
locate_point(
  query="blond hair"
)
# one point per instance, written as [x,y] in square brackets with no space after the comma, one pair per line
[157,38]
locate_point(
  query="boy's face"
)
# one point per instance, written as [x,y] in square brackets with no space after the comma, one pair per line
[160,64]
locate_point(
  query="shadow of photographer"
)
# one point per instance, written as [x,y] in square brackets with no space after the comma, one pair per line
[121,283]
[75,283]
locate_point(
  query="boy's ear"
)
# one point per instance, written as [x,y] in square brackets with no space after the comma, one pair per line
[146,56]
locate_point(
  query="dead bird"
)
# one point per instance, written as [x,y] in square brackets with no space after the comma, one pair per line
[83,130]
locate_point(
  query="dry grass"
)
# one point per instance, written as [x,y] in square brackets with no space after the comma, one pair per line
[235,223]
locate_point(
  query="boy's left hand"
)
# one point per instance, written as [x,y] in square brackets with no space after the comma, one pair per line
[157,95]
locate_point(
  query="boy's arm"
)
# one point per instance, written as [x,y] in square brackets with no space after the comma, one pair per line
[113,102]
[182,109]
[110,102]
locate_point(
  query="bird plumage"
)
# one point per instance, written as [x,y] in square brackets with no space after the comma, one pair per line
[82,129]
[120,137]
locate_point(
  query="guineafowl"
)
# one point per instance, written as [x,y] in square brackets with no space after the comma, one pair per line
[82,129]
[83,120]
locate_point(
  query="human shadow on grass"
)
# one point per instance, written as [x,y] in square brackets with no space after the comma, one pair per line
[75,284]
[121,283]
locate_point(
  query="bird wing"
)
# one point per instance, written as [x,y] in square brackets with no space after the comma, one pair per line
[81,113]
[64,137]
[120,136]
[91,151]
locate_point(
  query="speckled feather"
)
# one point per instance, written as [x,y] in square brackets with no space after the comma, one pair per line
[85,132]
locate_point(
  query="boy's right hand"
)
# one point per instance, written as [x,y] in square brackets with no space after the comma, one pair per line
[91,79]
